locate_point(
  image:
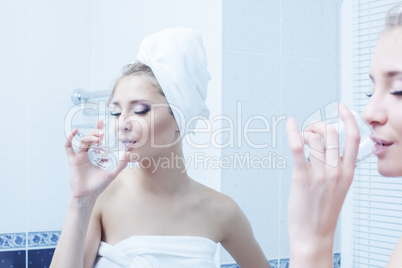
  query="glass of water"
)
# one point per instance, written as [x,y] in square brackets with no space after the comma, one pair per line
[105,155]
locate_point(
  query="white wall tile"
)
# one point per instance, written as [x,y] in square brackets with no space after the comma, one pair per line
[48,191]
[256,192]
[166,14]
[205,16]
[14,28]
[252,26]
[251,90]
[60,40]
[139,19]
[111,26]
[50,101]
[15,110]
[311,29]
[13,192]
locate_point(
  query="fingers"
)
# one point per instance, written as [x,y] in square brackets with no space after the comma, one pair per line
[68,145]
[352,139]
[99,125]
[93,137]
[330,149]
[87,142]
[315,149]
[296,144]
[96,132]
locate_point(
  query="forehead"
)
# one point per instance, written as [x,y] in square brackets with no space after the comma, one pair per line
[388,53]
[137,88]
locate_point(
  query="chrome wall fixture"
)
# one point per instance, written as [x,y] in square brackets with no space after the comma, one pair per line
[81,96]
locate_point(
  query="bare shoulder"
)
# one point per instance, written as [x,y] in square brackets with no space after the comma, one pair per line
[234,229]
[218,204]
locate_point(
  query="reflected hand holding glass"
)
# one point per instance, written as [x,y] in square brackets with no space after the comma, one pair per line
[105,154]
[86,179]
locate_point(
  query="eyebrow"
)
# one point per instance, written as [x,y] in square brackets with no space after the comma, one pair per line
[393,73]
[388,74]
[132,102]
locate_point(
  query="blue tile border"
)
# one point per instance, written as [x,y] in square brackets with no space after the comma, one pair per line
[43,239]
[337,260]
[274,263]
[13,241]
[284,263]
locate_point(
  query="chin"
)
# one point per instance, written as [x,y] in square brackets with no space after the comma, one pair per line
[388,170]
[134,157]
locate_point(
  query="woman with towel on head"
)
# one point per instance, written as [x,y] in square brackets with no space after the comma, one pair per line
[318,190]
[150,216]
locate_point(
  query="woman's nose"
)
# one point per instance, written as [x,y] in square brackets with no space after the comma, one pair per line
[375,111]
[124,125]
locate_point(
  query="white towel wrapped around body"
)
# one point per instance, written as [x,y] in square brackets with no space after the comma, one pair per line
[157,252]
[178,60]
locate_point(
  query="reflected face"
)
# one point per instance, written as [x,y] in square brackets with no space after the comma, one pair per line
[143,117]
[384,110]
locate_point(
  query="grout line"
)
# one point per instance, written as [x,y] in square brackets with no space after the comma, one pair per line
[92,75]
[281,56]
[44,75]
[280,145]
[27,178]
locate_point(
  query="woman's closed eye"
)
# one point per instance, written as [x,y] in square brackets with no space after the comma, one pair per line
[141,108]
[114,110]
[396,88]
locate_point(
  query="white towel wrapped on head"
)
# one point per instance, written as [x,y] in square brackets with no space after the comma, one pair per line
[177,58]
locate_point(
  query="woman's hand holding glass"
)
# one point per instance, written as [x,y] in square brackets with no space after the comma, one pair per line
[319,188]
[87,180]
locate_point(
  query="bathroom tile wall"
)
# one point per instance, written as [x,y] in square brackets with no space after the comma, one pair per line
[280,58]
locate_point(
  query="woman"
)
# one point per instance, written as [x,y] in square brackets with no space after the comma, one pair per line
[318,190]
[152,215]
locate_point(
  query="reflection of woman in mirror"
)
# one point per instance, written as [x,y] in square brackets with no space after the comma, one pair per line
[318,190]
[152,215]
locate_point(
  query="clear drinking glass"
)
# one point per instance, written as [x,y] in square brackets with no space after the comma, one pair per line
[369,141]
[107,154]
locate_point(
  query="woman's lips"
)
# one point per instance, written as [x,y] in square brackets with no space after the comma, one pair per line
[381,146]
[127,142]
